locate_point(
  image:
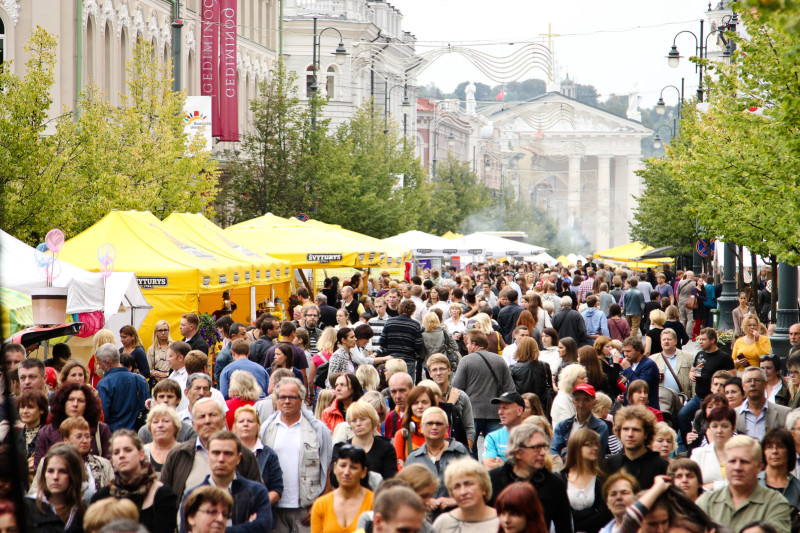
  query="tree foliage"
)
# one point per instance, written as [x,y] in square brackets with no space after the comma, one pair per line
[456,193]
[69,171]
[740,169]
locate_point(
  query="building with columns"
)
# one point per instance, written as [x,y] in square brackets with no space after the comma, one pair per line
[96,39]
[571,159]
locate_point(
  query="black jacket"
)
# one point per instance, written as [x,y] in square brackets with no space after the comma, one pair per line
[161,517]
[569,323]
[198,343]
[507,320]
[644,468]
[592,519]
[47,521]
[552,492]
[259,349]
[532,376]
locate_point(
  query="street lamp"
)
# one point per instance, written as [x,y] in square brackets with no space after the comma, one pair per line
[657,143]
[701,48]
[661,107]
[405,105]
[340,54]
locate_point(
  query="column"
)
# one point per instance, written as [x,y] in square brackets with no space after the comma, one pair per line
[727,301]
[573,191]
[633,188]
[603,240]
[787,308]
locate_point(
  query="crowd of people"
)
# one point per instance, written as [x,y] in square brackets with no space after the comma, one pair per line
[512,398]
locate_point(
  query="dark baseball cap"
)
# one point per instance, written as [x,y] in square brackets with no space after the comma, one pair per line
[510,397]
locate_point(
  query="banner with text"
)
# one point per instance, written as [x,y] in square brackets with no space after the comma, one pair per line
[209,60]
[228,81]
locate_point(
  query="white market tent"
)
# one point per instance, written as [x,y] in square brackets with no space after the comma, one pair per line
[541,258]
[494,246]
[122,301]
[427,245]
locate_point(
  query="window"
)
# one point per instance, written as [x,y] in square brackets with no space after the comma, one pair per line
[331,82]
[309,80]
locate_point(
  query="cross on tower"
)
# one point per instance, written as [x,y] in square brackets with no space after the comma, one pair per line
[550,36]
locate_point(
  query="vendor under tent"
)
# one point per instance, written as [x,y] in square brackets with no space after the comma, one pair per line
[172,272]
[118,296]
[494,246]
[629,253]
[269,276]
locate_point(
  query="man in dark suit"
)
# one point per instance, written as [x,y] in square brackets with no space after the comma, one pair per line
[636,365]
[508,315]
[190,326]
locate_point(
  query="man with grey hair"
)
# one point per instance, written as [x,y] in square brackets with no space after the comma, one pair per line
[122,393]
[756,414]
[327,313]
[198,386]
[304,449]
[526,452]
[679,360]
[743,500]
[187,465]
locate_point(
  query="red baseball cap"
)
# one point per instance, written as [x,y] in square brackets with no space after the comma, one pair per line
[585,388]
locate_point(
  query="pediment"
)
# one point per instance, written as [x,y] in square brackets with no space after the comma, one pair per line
[556,113]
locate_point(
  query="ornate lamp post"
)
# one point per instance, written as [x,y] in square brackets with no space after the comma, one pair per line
[340,53]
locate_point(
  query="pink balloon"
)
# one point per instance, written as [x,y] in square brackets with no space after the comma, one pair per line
[54,240]
[107,270]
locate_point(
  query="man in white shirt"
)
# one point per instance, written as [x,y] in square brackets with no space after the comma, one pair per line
[176,355]
[304,449]
[416,297]
[510,350]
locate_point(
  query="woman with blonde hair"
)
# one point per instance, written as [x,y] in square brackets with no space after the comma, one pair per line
[484,324]
[665,441]
[132,345]
[364,422]
[674,323]
[157,353]
[101,513]
[468,483]
[243,390]
[454,324]
[652,343]
[164,425]
[246,426]
[747,350]
[324,400]
[563,408]
[104,336]
[436,338]
[368,377]
[584,479]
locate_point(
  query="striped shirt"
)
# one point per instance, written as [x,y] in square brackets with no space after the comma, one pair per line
[377,324]
[402,337]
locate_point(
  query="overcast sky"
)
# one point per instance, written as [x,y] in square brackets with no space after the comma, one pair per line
[616,45]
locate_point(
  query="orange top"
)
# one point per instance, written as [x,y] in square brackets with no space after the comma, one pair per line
[324,519]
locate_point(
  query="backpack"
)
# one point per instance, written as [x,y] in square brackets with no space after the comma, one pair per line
[321,377]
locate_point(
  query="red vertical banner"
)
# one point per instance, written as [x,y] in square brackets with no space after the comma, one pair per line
[209,60]
[228,79]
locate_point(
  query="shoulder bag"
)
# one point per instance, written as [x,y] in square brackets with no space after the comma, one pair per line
[497,384]
[672,371]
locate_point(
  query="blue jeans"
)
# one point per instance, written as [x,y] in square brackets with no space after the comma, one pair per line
[483,426]
[411,365]
[685,417]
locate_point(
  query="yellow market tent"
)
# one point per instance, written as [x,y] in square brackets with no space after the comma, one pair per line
[451,235]
[265,270]
[627,252]
[172,272]
[304,245]
[16,311]
[394,254]
[563,259]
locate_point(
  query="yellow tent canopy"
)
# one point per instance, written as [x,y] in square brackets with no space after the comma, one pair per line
[173,272]
[304,245]
[563,259]
[451,235]
[204,233]
[394,255]
[627,252]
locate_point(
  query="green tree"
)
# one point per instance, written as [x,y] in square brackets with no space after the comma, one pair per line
[70,170]
[381,191]
[664,216]
[456,193]
[266,177]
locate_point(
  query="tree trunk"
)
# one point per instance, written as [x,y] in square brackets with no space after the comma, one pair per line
[754,280]
[740,275]
[773,261]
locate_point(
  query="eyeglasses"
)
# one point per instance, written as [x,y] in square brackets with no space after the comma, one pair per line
[535,447]
[434,424]
[215,513]
[162,331]
[288,398]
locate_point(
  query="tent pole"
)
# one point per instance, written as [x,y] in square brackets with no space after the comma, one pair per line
[305,282]
[252,304]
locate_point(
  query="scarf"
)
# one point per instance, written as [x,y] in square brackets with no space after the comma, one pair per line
[137,488]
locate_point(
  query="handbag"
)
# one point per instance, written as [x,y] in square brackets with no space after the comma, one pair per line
[451,350]
[691,303]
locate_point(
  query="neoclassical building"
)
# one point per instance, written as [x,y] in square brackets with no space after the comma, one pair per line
[96,40]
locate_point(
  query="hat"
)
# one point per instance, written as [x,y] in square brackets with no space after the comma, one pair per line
[585,388]
[51,378]
[511,397]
